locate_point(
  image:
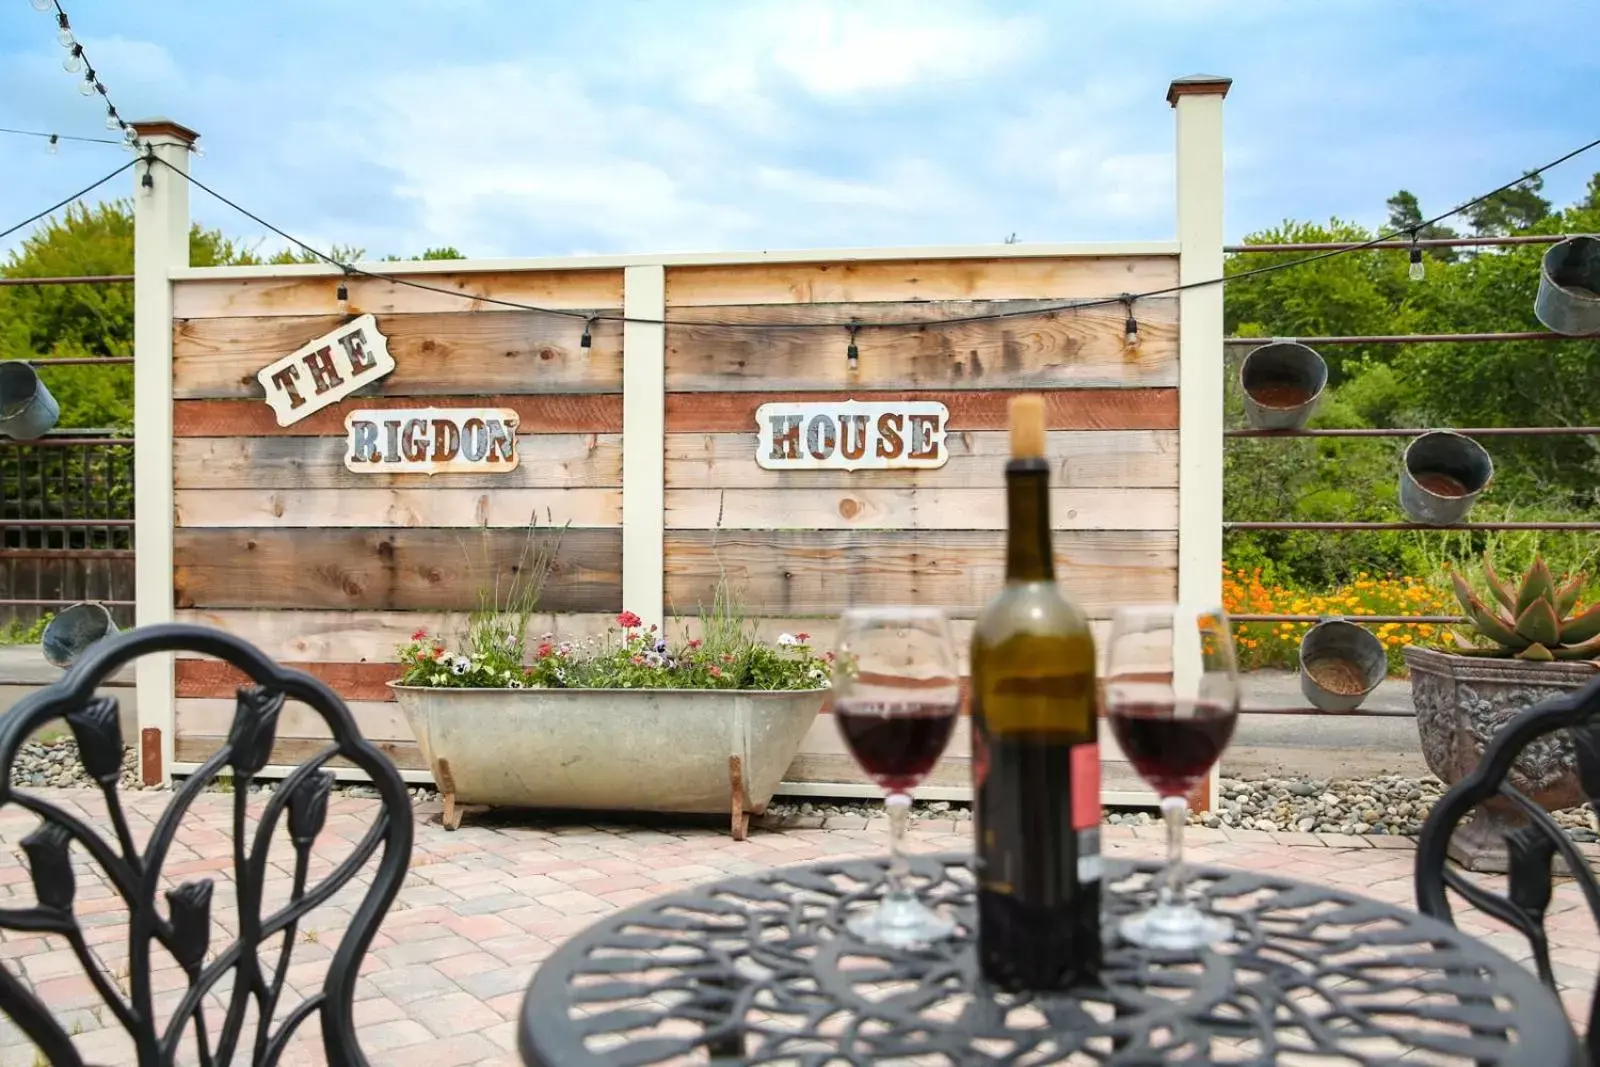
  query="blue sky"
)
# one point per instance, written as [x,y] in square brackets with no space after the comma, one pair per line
[541,128]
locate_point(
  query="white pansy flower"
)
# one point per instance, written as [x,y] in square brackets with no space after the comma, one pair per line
[460,665]
[516,683]
[788,639]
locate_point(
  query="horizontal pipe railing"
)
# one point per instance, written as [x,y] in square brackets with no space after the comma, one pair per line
[1409,338]
[53,441]
[47,603]
[1413,431]
[7,554]
[1371,713]
[55,523]
[1405,242]
[85,279]
[77,361]
[1571,526]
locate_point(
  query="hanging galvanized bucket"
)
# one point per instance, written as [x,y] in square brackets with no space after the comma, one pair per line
[27,410]
[1441,474]
[1569,287]
[69,634]
[1340,663]
[1282,382]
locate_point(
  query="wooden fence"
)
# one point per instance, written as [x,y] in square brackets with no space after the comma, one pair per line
[273,539]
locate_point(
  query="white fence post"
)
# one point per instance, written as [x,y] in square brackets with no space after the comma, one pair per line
[644,455]
[1197,99]
[161,242]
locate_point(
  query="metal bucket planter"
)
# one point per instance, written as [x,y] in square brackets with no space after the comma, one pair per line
[27,410]
[1441,474]
[664,750]
[1282,383]
[69,634]
[1462,702]
[1569,287]
[1340,663]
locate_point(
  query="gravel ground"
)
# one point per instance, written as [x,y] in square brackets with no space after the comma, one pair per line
[1384,805]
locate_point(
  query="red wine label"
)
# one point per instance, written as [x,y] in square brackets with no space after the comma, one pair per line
[1085,786]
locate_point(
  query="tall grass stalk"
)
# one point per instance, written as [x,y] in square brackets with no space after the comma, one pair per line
[500,622]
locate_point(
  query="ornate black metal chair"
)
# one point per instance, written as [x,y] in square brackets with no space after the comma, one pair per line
[136,875]
[1531,849]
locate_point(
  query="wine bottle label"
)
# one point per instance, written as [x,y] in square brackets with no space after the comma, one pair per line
[1085,786]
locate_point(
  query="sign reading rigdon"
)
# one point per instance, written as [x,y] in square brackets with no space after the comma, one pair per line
[431,440]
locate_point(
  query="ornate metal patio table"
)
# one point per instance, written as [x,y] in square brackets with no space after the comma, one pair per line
[759,969]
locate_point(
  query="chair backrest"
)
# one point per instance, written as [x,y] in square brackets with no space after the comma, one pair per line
[184,929]
[1531,849]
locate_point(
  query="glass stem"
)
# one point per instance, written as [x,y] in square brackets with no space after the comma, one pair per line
[899,805]
[1174,812]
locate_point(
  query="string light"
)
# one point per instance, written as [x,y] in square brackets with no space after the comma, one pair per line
[78,60]
[87,86]
[55,142]
[1416,271]
[42,5]
[1130,327]
[342,294]
[852,352]
[587,340]
[64,34]
[74,61]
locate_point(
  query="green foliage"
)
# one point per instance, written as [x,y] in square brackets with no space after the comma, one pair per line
[19,633]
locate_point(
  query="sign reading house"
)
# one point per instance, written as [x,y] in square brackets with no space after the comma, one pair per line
[431,440]
[326,371]
[851,435]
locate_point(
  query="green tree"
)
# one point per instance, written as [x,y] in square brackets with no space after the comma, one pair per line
[1405,214]
[1515,209]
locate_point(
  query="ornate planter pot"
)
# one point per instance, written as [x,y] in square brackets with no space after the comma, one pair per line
[663,750]
[1462,701]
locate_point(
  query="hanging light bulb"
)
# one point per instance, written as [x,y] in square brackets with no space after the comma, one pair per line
[74,61]
[587,340]
[55,144]
[113,122]
[86,87]
[64,33]
[852,352]
[1130,327]
[42,5]
[342,294]
[1416,271]
[199,152]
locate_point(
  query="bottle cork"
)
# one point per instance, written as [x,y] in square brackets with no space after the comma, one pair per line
[1027,427]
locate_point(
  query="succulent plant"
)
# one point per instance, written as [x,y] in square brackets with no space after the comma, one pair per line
[1533,621]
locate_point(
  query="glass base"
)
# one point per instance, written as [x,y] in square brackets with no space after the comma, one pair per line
[901,921]
[1175,928]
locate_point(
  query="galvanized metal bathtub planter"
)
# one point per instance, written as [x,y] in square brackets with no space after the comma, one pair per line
[661,750]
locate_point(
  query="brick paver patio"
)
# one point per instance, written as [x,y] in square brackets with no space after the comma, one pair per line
[481,908]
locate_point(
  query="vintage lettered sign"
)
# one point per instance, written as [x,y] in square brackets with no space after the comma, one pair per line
[326,371]
[851,435]
[431,440]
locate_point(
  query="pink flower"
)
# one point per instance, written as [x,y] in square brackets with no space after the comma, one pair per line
[420,635]
[695,642]
[438,652]
[545,649]
[628,620]
[802,638]
[715,672]
[638,661]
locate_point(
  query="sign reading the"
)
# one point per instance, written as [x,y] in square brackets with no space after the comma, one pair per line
[851,435]
[431,440]
[326,371]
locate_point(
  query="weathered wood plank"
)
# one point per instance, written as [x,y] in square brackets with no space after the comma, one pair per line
[548,461]
[436,355]
[1061,278]
[551,413]
[288,753]
[1084,349]
[790,572]
[366,636]
[438,507]
[213,715]
[1065,409]
[214,680]
[1091,459]
[299,295]
[385,569]
[863,508]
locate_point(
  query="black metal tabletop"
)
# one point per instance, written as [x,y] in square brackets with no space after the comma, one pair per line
[760,969]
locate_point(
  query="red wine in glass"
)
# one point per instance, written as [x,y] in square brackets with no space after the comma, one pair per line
[898,742]
[1173,745]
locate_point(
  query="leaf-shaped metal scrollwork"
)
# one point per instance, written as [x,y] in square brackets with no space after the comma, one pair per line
[190,905]
[96,729]
[255,728]
[50,865]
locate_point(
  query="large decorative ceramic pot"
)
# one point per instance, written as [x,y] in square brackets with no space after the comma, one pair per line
[665,750]
[1462,702]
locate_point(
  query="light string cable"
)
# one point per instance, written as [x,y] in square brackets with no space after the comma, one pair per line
[54,137]
[86,190]
[78,61]
[993,316]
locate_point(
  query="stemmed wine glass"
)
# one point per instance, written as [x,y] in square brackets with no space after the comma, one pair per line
[1172,695]
[896,692]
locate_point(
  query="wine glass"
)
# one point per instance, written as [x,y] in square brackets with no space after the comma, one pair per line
[895,695]
[1172,695]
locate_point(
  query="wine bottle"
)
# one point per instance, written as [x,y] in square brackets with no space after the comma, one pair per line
[1035,760]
